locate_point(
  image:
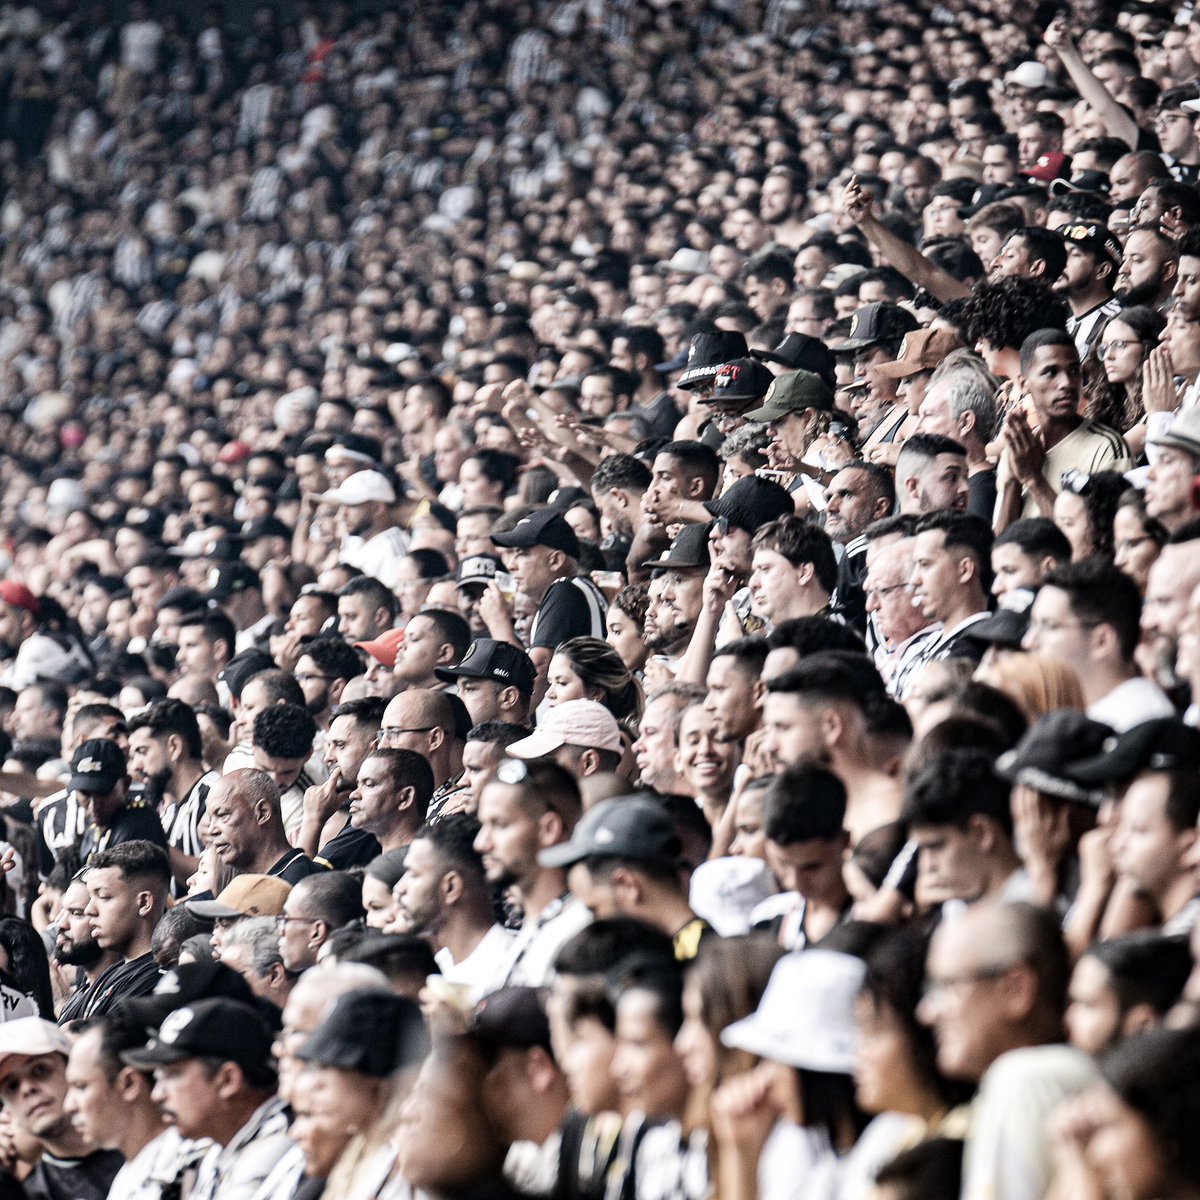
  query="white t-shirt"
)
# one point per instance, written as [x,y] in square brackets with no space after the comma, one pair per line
[1131,703]
[481,966]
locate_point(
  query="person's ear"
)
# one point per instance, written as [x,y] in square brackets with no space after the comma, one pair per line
[510,697]
[445,654]
[336,687]
[758,691]
[131,1085]
[437,738]
[982,832]
[550,829]
[967,423]
[556,560]
[145,903]
[831,725]
[589,763]
[1138,1019]
[382,618]
[540,1070]
[451,887]
[695,488]
[881,508]
[626,888]
[229,1081]
[175,748]
[406,798]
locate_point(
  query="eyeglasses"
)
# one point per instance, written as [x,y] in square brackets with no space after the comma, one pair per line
[1166,119]
[887,591]
[1037,627]
[935,987]
[281,921]
[1107,348]
[390,734]
[512,771]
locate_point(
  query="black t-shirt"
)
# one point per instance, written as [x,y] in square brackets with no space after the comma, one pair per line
[137,977]
[350,848]
[294,866]
[137,821]
[571,608]
[74,1178]
[981,498]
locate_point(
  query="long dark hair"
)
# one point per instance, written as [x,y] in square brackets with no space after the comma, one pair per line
[28,966]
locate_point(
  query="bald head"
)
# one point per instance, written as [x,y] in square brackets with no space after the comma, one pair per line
[420,707]
[996,981]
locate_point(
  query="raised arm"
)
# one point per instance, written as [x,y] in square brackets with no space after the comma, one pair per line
[1116,120]
[906,258]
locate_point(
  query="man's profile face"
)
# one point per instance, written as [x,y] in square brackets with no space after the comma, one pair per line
[188,1097]
[232,829]
[91,1102]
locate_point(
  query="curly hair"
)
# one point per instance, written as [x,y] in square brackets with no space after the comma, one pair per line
[1004,312]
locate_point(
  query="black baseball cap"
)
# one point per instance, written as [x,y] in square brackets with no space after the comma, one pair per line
[687,551]
[545,527]
[1005,628]
[632,827]
[742,381]
[374,1032]
[1046,758]
[228,579]
[501,662]
[799,352]
[873,323]
[186,984]
[97,766]
[478,570]
[513,1017]
[709,351]
[752,502]
[222,1029]
[1163,744]
[265,527]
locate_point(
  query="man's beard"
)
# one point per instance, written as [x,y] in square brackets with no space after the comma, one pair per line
[663,641]
[154,787]
[1142,293]
[81,954]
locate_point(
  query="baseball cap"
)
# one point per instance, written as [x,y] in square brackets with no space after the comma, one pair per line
[806,1015]
[791,393]
[1027,75]
[688,551]
[632,827]
[545,527]
[1006,627]
[799,352]
[372,1031]
[1092,237]
[751,503]
[685,261]
[707,352]
[17,595]
[872,323]
[97,766]
[27,1037]
[185,984]
[263,527]
[385,647]
[363,487]
[1054,164]
[1044,758]
[573,723]
[230,578]
[513,1017]
[1183,433]
[227,1030]
[354,448]
[478,569]
[1094,182]
[246,896]
[740,381]
[501,662]
[921,350]
[1163,744]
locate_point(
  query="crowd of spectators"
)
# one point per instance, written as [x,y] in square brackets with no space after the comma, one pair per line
[600,600]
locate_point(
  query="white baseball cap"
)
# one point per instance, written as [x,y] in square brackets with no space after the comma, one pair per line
[27,1037]
[806,1016]
[725,891]
[573,723]
[363,487]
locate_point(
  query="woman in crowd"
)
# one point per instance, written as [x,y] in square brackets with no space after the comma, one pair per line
[1138,539]
[626,620]
[1113,371]
[589,669]
[1085,509]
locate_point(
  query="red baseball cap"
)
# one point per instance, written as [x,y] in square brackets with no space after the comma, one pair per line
[385,647]
[19,596]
